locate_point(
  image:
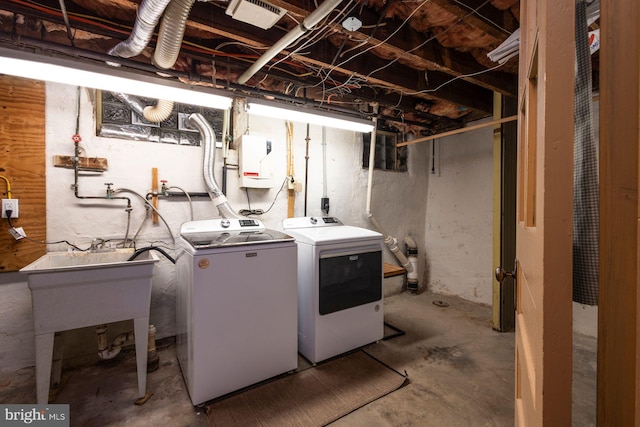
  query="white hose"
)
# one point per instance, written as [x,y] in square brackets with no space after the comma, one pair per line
[159,112]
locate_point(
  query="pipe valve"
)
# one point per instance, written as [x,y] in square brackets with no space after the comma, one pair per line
[164,189]
[109,189]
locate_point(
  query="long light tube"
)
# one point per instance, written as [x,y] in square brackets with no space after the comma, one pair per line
[59,70]
[279,111]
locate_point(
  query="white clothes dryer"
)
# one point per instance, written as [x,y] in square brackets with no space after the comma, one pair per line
[340,298]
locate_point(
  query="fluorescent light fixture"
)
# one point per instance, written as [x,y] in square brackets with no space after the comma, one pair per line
[282,111]
[60,70]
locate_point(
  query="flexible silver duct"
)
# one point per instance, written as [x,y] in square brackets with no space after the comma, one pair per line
[171,33]
[152,113]
[209,151]
[149,14]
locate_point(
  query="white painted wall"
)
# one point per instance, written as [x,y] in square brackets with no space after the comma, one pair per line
[459,217]
[459,222]
[448,213]
[398,202]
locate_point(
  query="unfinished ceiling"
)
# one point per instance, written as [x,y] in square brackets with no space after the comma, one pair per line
[423,62]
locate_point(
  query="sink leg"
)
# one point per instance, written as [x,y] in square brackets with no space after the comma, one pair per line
[141,330]
[44,353]
[58,352]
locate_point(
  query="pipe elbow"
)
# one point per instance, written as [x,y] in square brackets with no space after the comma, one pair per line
[410,242]
[159,112]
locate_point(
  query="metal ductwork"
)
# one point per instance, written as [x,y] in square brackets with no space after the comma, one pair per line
[171,33]
[149,14]
[151,113]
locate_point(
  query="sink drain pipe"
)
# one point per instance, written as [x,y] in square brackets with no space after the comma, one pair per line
[108,352]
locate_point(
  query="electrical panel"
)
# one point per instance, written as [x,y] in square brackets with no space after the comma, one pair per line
[255,163]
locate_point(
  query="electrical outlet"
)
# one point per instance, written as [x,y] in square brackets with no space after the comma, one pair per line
[10,205]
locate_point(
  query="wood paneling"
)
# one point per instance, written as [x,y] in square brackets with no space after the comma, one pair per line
[22,143]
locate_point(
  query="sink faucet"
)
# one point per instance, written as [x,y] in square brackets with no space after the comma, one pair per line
[96,244]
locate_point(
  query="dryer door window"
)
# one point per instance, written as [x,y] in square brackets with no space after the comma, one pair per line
[349,280]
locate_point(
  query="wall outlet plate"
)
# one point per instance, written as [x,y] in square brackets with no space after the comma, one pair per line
[10,205]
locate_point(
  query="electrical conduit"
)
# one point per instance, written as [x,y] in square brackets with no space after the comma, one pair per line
[309,22]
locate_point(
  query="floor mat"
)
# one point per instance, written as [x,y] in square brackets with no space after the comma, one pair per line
[313,397]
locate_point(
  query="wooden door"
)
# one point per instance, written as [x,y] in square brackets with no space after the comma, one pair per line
[544,214]
[619,293]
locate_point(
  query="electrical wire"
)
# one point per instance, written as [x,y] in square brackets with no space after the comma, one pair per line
[404,22]
[247,212]
[48,243]
[428,39]
[456,78]
[309,36]
[475,11]
[8,186]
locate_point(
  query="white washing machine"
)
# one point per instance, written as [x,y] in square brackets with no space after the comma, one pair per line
[340,298]
[236,305]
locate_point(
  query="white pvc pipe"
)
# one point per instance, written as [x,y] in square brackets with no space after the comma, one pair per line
[390,241]
[372,158]
[310,21]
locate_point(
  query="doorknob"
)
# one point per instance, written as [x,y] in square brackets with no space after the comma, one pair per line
[501,274]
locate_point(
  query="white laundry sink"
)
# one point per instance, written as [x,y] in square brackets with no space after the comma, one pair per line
[76,289]
[71,290]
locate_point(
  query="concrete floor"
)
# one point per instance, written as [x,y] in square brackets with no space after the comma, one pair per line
[461,373]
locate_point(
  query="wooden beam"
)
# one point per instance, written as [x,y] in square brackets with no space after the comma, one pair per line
[94,164]
[457,131]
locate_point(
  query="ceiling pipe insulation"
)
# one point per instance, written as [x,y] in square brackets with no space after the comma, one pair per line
[309,22]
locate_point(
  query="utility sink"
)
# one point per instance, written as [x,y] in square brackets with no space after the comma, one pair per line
[72,290]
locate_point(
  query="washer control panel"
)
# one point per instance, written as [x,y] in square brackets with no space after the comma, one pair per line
[310,221]
[221,224]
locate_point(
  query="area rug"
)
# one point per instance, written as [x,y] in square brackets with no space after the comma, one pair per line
[312,397]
